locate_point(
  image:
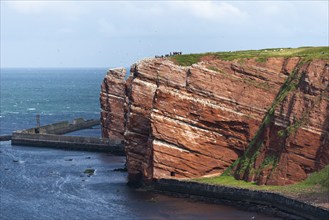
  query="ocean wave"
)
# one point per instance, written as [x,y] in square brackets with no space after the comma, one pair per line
[31,109]
[47,113]
[10,112]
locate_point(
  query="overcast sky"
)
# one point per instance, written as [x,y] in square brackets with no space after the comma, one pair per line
[118,33]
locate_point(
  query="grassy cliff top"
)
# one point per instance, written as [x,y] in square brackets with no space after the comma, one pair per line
[307,53]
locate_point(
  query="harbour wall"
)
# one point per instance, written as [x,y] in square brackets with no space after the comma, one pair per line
[68,142]
[64,127]
[5,137]
[216,192]
[51,136]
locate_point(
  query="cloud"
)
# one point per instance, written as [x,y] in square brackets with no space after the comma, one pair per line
[66,30]
[28,7]
[106,27]
[66,9]
[210,10]
[143,28]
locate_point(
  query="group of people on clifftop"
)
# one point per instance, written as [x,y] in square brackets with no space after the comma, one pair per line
[169,55]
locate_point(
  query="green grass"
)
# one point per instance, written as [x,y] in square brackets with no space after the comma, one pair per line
[319,178]
[315,183]
[188,59]
[306,53]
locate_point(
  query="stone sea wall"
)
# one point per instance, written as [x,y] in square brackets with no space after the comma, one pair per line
[51,136]
[245,196]
[68,142]
[63,127]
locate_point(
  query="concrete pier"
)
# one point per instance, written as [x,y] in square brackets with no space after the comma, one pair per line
[63,127]
[68,142]
[51,136]
[5,137]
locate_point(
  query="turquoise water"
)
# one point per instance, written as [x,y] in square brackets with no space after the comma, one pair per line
[55,94]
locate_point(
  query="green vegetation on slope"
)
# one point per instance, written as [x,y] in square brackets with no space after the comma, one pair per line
[316,182]
[245,164]
[307,53]
[318,178]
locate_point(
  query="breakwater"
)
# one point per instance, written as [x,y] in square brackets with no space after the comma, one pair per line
[51,136]
[5,137]
[63,127]
[68,142]
[248,197]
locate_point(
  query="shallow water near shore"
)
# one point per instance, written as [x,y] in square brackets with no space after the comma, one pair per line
[41,183]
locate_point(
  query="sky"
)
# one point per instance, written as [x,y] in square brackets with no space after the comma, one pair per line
[118,33]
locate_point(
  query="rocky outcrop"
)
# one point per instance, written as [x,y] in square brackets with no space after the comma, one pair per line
[112,100]
[292,140]
[262,121]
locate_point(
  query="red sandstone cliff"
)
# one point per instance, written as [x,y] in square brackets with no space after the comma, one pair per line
[112,99]
[266,121]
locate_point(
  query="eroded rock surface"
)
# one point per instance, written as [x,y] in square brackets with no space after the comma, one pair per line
[271,118]
[112,100]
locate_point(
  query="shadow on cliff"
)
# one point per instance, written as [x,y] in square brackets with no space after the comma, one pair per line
[322,155]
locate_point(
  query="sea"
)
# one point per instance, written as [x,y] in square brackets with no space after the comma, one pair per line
[41,183]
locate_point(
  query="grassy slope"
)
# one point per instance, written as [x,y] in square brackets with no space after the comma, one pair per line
[317,182]
[307,53]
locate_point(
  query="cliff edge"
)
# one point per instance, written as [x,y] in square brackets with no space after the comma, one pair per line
[261,116]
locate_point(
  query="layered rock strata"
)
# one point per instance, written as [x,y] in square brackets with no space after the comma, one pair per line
[292,140]
[112,100]
[266,121]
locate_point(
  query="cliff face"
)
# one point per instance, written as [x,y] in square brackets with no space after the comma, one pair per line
[261,121]
[112,99]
